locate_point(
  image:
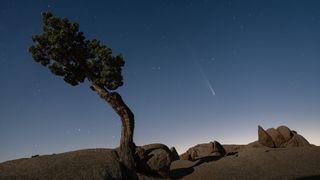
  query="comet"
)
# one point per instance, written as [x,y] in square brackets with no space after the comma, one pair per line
[206,80]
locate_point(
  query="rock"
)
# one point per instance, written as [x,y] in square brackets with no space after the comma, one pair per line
[264,138]
[211,157]
[285,132]
[174,154]
[297,141]
[217,147]
[255,144]
[281,137]
[98,164]
[277,138]
[154,159]
[199,150]
[203,150]
[185,156]
[37,155]
[159,162]
[150,147]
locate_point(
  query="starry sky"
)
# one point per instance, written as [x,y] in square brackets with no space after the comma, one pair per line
[196,71]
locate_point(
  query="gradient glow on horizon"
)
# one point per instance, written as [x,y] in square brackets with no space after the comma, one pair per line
[260,57]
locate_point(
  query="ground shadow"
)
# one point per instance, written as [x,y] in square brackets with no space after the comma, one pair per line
[181,172]
[309,177]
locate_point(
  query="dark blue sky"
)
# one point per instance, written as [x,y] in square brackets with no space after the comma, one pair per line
[261,59]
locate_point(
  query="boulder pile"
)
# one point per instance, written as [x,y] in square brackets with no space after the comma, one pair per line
[281,137]
[211,149]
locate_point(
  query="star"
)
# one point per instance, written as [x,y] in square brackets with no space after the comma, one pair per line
[234,18]
[156,68]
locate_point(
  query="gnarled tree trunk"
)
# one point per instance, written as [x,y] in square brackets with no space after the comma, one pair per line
[127,146]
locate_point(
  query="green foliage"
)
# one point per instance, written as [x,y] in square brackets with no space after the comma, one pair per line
[66,52]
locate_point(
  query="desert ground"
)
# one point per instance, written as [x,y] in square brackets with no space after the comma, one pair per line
[292,158]
[255,163]
[101,164]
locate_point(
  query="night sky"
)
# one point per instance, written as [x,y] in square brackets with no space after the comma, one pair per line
[196,71]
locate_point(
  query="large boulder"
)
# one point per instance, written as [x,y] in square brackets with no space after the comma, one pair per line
[264,138]
[277,138]
[159,162]
[297,141]
[201,150]
[204,150]
[218,148]
[98,164]
[198,150]
[285,132]
[185,156]
[154,159]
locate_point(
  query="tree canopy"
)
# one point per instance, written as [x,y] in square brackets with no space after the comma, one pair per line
[66,52]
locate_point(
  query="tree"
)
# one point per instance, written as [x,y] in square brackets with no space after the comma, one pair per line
[65,51]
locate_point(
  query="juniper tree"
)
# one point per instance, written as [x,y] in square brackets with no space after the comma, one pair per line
[66,52]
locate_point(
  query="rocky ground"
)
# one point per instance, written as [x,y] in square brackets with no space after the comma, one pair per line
[277,154]
[255,163]
[83,164]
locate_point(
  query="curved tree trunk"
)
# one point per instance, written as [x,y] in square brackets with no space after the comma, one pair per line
[127,146]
